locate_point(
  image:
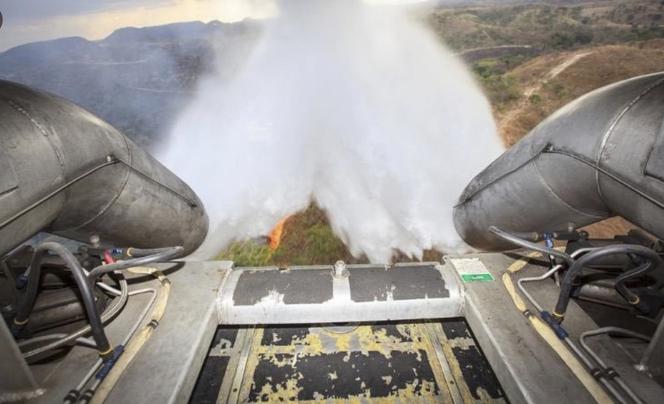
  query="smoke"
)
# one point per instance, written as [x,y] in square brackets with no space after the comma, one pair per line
[237,10]
[355,106]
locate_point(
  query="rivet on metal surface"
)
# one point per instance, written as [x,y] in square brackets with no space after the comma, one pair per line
[340,271]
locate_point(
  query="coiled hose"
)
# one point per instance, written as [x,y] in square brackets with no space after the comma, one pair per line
[109,313]
[87,279]
[84,286]
[652,261]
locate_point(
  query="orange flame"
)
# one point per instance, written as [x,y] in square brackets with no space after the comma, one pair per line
[277,232]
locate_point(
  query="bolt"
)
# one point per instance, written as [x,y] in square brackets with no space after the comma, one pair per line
[340,270]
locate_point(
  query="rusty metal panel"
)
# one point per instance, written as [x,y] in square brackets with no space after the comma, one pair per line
[381,362]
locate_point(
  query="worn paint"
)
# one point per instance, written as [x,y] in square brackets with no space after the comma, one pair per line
[283,287]
[347,364]
[468,363]
[396,283]
[378,363]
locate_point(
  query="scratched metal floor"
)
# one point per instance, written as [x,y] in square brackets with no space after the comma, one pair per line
[436,361]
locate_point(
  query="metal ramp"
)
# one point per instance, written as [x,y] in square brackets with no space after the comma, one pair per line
[433,361]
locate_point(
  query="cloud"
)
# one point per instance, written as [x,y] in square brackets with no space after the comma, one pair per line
[38,20]
[40,9]
[32,20]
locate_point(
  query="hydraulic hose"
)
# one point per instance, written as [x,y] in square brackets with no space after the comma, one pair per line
[75,393]
[103,386]
[530,245]
[161,255]
[110,312]
[631,297]
[164,254]
[49,337]
[554,270]
[578,265]
[602,364]
[554,340]
[142,252]
[28,300]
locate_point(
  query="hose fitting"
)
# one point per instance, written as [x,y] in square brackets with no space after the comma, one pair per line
[109,359]
[17,326]
[21,281]
[554,324]
[558,316]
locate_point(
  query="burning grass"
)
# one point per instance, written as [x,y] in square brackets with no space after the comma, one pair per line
[304,238]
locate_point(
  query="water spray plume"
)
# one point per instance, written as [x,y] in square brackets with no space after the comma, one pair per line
[356,107]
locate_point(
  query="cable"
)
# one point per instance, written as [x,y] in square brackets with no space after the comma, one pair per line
[108,288]
[546,275]
[109,313]
[82,341]
[48,337]
[73,395]
[142,252]
[551,336]
[530,245]
[602,364]
[27,302]
[100,284]
[523,290]
[163,255]
[192,203]
[603,378]
[108,161]
[578,265]
[117,303]
[551,149]
[631,297]
[110,357]
[136,343]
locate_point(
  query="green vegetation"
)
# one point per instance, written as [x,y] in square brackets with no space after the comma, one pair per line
[550,27]
[248,253]
[307,239]
[501,90]
[318,245]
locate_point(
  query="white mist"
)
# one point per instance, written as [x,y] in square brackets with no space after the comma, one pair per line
[354,106]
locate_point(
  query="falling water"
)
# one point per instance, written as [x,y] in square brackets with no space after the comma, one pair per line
[357,107]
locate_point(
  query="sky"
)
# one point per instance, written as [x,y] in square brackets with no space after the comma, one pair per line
[37,20]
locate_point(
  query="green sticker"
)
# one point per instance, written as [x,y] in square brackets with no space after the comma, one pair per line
[477,277]
[472,270]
